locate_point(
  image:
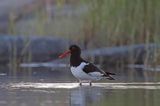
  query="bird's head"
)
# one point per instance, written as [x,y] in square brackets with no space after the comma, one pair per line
[73,50]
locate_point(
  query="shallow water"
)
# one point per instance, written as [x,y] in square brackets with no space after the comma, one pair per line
[59,88]
[71,94]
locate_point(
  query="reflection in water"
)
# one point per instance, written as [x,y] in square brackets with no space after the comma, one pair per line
[84,95]
[77,97]
[23,90]
[70,94]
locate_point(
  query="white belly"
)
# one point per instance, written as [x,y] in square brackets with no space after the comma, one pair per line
[81,75]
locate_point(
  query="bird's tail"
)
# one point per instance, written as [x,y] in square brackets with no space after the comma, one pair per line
[110,78]
[108,75]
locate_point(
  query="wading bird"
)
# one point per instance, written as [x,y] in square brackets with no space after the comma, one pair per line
[83,70]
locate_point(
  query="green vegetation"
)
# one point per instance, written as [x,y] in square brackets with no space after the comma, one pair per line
[108,22]
[95,23]
[120,22]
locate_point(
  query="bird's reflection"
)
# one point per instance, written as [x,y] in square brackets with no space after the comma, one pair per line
[85,95]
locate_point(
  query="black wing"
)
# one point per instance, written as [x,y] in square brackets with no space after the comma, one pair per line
[92,68]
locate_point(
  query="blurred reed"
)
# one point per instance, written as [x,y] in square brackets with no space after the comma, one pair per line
[108,22]
[94,23]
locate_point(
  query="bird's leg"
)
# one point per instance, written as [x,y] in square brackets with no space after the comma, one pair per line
[80,83]
[90,83]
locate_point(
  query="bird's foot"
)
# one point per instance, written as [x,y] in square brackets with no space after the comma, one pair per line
[90,83]
[80,83]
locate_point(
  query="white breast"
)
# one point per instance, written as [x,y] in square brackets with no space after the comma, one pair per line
[81,75]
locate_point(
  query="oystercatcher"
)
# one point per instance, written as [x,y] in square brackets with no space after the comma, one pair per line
[83,70]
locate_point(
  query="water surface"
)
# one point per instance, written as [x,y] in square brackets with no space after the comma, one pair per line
[59,88]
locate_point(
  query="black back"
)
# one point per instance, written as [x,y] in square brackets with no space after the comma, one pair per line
[76,60]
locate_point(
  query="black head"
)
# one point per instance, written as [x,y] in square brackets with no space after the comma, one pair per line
[75,50]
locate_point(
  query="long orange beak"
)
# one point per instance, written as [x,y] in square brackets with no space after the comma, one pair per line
[66,53]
